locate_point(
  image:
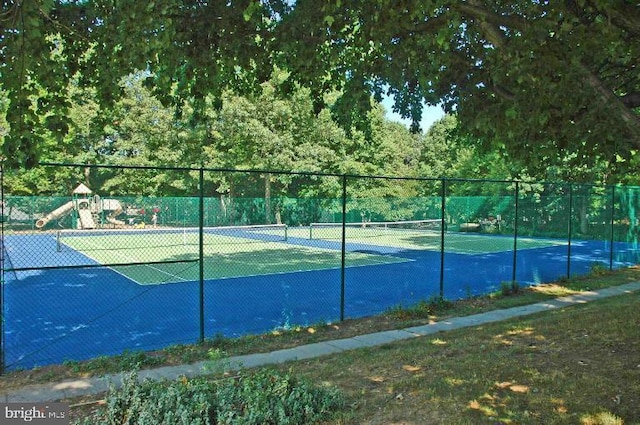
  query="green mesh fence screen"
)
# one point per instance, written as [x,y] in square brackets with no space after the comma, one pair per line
[141,258]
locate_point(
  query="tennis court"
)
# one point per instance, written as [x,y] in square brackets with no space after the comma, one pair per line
[167,255]
[170,255]
[81,294]
[115,268]
[419,235]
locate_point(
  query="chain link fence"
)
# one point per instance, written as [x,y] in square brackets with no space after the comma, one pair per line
[141,258]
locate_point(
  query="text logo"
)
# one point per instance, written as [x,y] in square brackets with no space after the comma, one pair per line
[34,413]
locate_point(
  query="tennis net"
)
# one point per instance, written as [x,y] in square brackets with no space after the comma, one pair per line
[373,229]
[167,237]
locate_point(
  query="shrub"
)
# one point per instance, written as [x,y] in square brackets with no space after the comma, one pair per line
[127,360]
[272,398]
[421,310]
[266,397]
[509,288]
[599,269]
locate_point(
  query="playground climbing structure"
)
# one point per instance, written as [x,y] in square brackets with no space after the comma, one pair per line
[87,212]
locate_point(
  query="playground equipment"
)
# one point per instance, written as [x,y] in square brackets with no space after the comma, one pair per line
[115,207]
[86,211]
[55,214]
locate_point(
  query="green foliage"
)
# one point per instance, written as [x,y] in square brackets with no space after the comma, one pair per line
[149,402]
[127,361]
[261,131]
[443,152]
[183,353]
[534,78]
[266,397]
[440,303]
[550,83]
[271,397]
[217,362]
[421,310]
[509,288]
[599,269]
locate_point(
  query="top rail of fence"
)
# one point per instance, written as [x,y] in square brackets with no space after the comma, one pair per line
[328,174]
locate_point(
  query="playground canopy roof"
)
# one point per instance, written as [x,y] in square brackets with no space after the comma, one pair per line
[81,190]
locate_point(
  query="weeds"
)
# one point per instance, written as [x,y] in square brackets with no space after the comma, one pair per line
[265,397]
[509,288]
[598,269]
[217,362]
[423,309]
[128,360]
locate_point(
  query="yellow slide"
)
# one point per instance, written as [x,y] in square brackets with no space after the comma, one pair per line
[86,219]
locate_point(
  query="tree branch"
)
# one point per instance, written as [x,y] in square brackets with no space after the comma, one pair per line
[631,119]
[503,92]
[631,100]
[489,23]
[477,9]
[430,26]
[622,15]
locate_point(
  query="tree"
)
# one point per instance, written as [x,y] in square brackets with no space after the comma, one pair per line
[535,78]
[194,48]
[442,150]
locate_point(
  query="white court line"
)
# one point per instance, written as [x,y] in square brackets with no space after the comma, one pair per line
[127,258]
[372,258]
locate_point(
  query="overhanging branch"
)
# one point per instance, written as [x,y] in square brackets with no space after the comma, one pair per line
[631,119]
[631,100]
[622,15]
[476,9]
[503,92]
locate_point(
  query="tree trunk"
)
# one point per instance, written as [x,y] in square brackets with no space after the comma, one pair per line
[278,215]
[267,198]
[87,176]
[584,218]
[223,208]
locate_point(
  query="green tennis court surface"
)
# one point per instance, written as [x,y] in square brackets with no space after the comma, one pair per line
[263,250]
[224,256]
[427,238]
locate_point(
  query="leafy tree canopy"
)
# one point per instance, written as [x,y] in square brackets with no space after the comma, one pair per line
[539,77]
[533,77]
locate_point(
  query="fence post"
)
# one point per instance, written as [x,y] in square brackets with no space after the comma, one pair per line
[613,207]
[515,233]
[201,250]
[344,245]
[443,193]
[569,230]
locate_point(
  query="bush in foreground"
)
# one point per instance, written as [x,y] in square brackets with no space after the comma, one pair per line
[266,397]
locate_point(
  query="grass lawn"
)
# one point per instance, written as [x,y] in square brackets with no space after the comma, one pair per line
[578,365]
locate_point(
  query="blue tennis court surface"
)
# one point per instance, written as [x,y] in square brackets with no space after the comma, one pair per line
[52,315]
